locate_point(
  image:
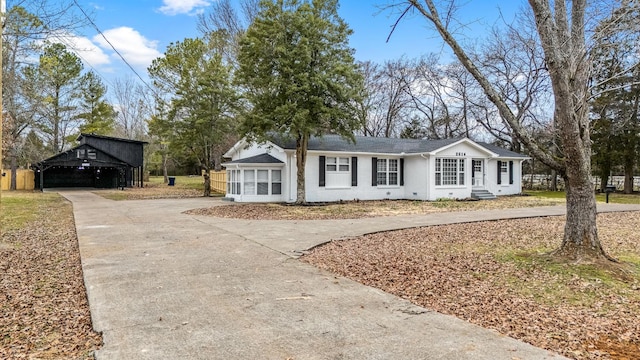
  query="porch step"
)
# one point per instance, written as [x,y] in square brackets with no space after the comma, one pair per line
[481,194]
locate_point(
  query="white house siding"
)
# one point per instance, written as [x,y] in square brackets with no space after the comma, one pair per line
[419,175]
[255,149]
[464,152]
[416,177]
[336,192]
[504,188]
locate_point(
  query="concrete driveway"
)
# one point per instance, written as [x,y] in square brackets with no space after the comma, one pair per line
[165,285]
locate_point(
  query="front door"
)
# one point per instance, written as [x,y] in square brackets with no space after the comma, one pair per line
[478,173]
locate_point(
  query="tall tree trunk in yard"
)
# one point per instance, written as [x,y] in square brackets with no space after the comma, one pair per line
[14,170]
[628,176]
[207,183]
[165,173]
[301,159]
[562,36]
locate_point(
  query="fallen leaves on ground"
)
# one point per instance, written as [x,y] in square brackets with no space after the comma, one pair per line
[150,191]
[361,209]
[45,314]
[494,274]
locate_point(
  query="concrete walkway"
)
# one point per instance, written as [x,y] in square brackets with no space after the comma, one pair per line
[165,285]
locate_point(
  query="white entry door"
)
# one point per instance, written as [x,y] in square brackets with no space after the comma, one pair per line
[478,173]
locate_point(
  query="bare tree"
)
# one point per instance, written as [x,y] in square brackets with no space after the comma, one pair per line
[134,106]
[435,103]
[561,29]
[26,25]
[514,63]
[388,97]
[226,18]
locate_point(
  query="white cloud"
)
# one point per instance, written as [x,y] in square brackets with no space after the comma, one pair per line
[190,7]
[135,48]
[87,50]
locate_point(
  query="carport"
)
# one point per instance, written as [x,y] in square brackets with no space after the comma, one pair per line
[93,164]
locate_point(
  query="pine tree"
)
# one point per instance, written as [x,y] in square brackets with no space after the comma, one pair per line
[299,74]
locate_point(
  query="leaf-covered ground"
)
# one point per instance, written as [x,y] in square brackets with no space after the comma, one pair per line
[361,209]
[493,274]
[156,190]
[45,314]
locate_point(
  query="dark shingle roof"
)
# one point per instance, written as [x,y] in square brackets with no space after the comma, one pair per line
[258,159]
[366,144]
[502,152]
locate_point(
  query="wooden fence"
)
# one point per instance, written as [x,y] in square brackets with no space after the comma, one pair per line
[219,181]
[24,179]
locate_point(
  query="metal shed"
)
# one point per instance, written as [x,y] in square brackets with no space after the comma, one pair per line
[98,162]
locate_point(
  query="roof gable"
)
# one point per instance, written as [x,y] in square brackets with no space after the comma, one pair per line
[502,152]
[70,157]
[258,159]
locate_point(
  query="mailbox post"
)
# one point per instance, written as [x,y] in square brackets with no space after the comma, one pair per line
[608,190]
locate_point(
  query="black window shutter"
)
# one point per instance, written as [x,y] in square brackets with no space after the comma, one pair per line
[499,181]
[401,172]
[321,170]
[374,171]
[354,171]
[510,172]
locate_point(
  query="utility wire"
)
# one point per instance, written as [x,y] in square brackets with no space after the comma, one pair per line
[113,47]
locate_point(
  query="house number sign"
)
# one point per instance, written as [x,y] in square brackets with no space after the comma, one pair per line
[461,154]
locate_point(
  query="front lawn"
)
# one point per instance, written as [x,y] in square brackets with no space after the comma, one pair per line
[155,188]
[497,275]
[614,198]
[45,314]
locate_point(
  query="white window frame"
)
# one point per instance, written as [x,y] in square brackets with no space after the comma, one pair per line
[272,182]
[253,185]
[233,182]
[338,164]
[249,184]
[450,171]
[386,169]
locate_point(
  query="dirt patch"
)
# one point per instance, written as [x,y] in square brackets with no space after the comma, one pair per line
[491,274]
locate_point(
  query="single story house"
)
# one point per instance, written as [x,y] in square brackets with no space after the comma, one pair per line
[98,162]
[372,169]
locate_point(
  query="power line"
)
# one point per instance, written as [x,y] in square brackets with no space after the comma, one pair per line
[113,47]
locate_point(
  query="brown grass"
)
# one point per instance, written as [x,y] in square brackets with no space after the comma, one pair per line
[45,314]
[361,209]
[495,274]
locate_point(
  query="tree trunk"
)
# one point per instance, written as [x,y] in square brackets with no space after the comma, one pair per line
[563,39]
[553,184]
[562,35]
[14,171]
[207,183]
[165,173]
[628,175]
[580,240]
[301,159]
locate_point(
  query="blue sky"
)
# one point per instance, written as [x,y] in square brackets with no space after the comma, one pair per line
[141,30]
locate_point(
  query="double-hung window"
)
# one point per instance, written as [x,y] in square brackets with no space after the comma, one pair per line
[263,182]
[257,182]
[387,172]
[449,171]
[233,182]
[250,182]
[338,164]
